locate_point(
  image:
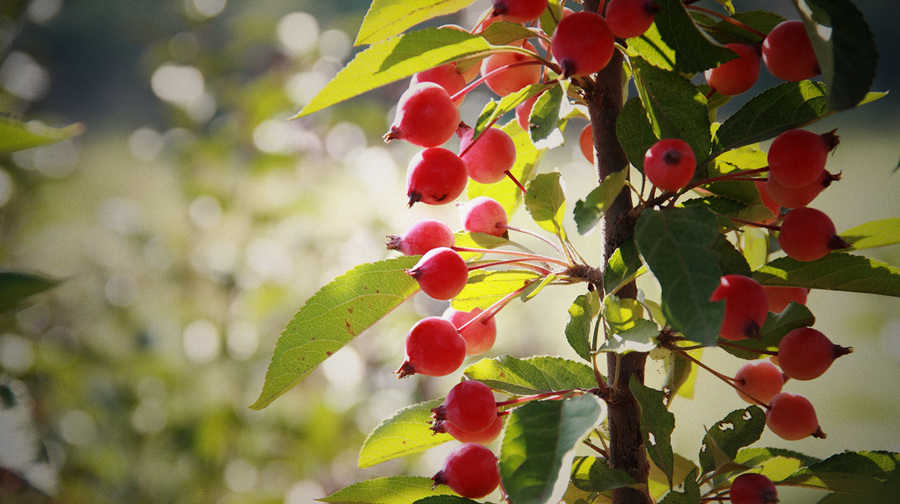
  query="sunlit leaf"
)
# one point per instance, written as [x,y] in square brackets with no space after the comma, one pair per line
[657,424]
[638,338]
[15,286]
[852,472]
[581,316]
[332,317]
[694,50]
[539,446]
[531,376]
[593,474]
[391,490]
[545,121]
[16,135]
[835,271]
[445,499]
[873,234]
[775,463]
[623,266]
[738,429]
[487,287]
[387,18]
[408,431]
[494,110]
[545,200]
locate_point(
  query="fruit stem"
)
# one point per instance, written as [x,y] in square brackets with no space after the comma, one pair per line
[535,235]
[727,379]
[739,347]
[727,176]
[727,19]
[515,181]
[496,307]
[554,395]
[537,269]
[771,227]
[477,82]
[522,256]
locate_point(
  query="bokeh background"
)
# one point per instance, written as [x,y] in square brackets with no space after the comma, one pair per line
[191,220]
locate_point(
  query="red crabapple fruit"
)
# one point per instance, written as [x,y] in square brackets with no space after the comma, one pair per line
[797,157]
[753,488]
[805,353]
[670,164]
[479,335]
[630,18]
[746,307]
[523,112]
[808,234]
[768,201]
[780,297]
[586,142]
[482,437]
[792,417]
[511,79]
[582,43]
[470,406]
[738,75]
[489,157]
[470,470]
[519,11]
[444,75]
[483,215]
[441,273]
[426,116]
[788,52]
[796,197]
[433,348]
[758,380]
[421,237]
[435,176]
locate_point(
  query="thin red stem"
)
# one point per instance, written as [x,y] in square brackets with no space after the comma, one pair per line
[522,256]
[772,227]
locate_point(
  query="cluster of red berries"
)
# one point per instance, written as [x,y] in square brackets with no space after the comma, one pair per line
[803,354]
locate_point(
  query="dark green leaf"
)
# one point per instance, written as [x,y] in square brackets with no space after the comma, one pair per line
[393,59]
[545,200]
[332,317]
[774,328]
[695,51]
[387,18]
[545,117]
[738,429]
[593,474]
[845,48]
[623,266]
[635,133]
[15,286]
[731,261]
[658,421]
[726,32]
[690,495]
[408,431]
[539,446]
[876,493]
[589,211]
[835,271]
[677,245]
[873,234]
[531,376]
[578,329]
[391,490]
[852,472]
[16,135]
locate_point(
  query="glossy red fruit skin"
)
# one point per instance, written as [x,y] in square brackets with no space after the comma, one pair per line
[805,353]
[483,215]
[445,76]
[797,157]
[469,405]
[523,112]
[481,437]
[808,234]
[519,11]
[746,307]
[470,470]
[792,417]
[513,79]
[433,348]
[788,52]
[489,157]
[480,335]
[630,18]
[753,488]
[421,237]
[780,297]
[582,43]
[670,164]
[441,273]
[758,379]
[738,75]
[586,143]
[768,201]
[797,197]
[426,116]
[435,176]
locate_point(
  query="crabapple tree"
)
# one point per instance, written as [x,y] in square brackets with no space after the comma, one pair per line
[680,185]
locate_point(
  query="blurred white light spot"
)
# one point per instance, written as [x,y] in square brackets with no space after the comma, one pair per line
[201,341]
[145,144]
[304,492]
[206,8]
[55,161]
[205,211]
[335,44]
[345,369]
[24,77]
[77,427]
[302,87]
[270,260]
[6,187]
[273,137]
[16,353]
[41,11]
[298,32]
[241,476]
[203,108]
[377,169]
[121,290]
[149,417]
[121,215]
[242,340]
[345,140]
[178,84]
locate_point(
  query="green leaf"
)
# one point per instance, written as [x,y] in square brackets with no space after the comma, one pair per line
[15,286]
[593,474]
[774,328]
[658,482]
[504,33]
[690,495]
[545,200]
[487,287]
[676,244]
[658,421]
[393,59]
[725,31]
[387,18]
[774,463]
[638,338]
[445,499]
[545,119]
[876,493]
[494,110]
[506,192]
[738,429]
[635,133]
[623,266]
[391,490]
[652,48]
[694,50]
[731,261]
[873,234]
[679,371]
[16,135]
[675,107]
[845,48]
[835,271]
[589,211]
[581,316]
[852,472]
[539,446]
[332,317]
[531,376]
[406,432]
